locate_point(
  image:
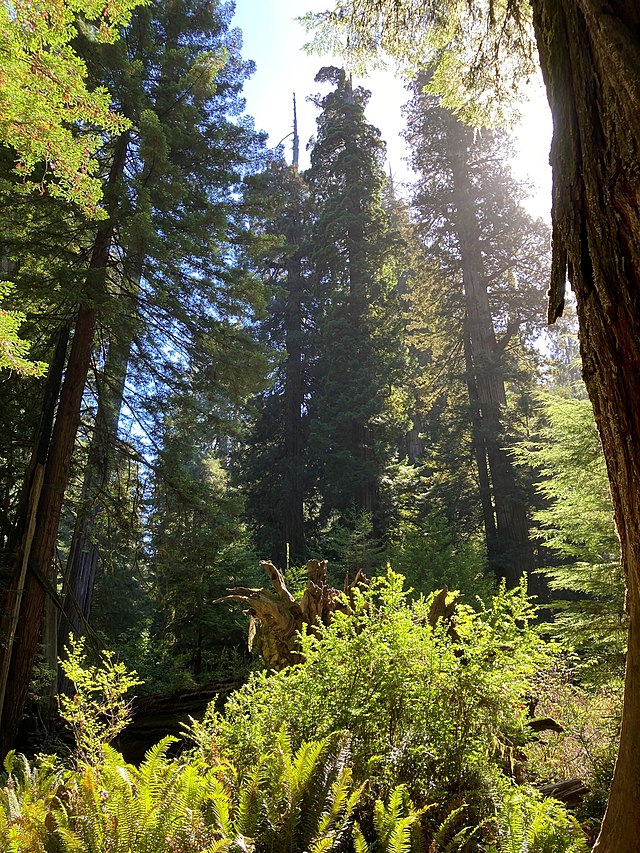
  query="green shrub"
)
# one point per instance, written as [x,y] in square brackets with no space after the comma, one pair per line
[528,822]
[429,709]
[424,706]
[97,710]
[586,747]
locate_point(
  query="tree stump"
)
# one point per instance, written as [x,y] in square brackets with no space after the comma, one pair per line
[276,617]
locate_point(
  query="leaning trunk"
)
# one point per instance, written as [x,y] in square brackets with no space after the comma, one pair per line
[24,528]
[590,56]
[40,578]
[82,564]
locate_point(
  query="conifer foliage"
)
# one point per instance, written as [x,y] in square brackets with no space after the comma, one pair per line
[157,293]
[327,430]
[360,344]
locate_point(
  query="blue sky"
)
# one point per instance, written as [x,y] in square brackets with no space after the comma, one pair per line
[274,40]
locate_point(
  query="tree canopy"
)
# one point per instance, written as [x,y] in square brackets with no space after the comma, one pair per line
[44,95]
[478,53]
[248,361]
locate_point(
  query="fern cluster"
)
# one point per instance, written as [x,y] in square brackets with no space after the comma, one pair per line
[388,738]
[288,802]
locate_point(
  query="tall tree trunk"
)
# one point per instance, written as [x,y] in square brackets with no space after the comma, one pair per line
[56,476]
[590,57]
[480,453]
[294,376]
[82,563]
[21,537]
[508,546]
[293,402]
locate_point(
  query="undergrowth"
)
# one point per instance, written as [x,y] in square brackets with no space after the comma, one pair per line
[394,735]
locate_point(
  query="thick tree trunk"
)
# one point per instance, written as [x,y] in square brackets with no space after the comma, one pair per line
[56,476]
[43,439]
[23,652]
[23,532]
[590,57]
[509,550]
[480,453]
[412,445]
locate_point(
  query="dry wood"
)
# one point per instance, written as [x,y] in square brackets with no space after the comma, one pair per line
[276,617]
[571,792]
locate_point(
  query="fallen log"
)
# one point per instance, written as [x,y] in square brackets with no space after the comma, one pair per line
[154,717]
[571,792]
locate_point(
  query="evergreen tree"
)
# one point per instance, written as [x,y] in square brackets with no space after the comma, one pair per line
[164,284]
[360,347]
[44,99]
[576,523]
[274,461]
[189,145]
[196,545]
[488,289]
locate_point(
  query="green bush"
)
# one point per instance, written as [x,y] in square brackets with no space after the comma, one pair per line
[426,706]
[387,738]
[586,747]
[96,711]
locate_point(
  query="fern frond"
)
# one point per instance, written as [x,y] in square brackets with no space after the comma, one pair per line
[399,840]
[359,842]
[447,824]
[250,808]
[219,807]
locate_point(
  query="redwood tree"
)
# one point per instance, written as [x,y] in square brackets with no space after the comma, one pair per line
[491,261]
[361,351]
[590,58]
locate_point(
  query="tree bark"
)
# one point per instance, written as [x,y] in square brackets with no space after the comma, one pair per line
[56,476]
[590,58]
[480,453]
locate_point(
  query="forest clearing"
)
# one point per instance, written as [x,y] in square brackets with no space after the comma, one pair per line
[319,517]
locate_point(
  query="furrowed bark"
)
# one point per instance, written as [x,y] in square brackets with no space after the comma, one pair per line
[590,58]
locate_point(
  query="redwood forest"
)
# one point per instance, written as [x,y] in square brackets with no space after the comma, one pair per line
[319,462]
